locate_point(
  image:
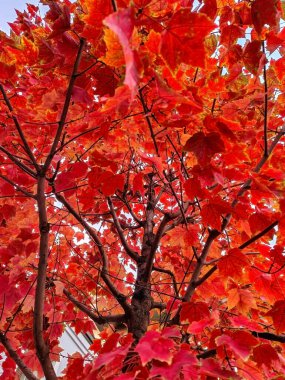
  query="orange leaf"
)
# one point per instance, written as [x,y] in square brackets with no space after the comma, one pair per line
[242,299]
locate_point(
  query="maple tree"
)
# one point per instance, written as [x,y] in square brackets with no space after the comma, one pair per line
[142,188]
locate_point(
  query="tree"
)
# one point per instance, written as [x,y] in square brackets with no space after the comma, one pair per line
[142,188]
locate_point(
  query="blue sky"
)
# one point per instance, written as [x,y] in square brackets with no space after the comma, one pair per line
[7,13]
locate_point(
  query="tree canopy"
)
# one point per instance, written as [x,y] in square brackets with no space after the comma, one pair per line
[142,189]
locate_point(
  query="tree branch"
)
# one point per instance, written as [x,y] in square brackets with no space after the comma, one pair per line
[259,235]
[62,120]
[257,334]
[158,305]
[121,298]
[22,166]
[18,188]
[265,103]
[200,263]
[157,238]
[214,233]
[166,271]
[146,112]
[42,348]
[13,355]
[19,129]
[134,255]
[98,319]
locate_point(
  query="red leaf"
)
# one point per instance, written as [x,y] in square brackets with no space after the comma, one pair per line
[278,315]
[265,354]
[210,8]
[252,55]
[264,12]
[138,183]
[194,189]
[232,264]
[113,351]
[68,178]
[75,366]
[212,211]
[7,70]
[122,24]
[230,33]
[205,146]
[112,183]
[183,362]
[242,299]
[194,311]
[240,342]
[212,368]
[154,346]
[185,29]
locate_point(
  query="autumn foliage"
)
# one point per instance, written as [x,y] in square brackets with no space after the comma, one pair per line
[142,189]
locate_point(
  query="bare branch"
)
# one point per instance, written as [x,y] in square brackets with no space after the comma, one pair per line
[157,238]
[99,319]
[130,252]
[259,235]
[19,129]
[42,349]
[166,271]
[121,298]
[147,117]
[265,103]
[13,355]
[158,305]
[18,188]
[61,123]
[22,166]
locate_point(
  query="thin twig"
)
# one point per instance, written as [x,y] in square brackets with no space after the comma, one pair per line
[129,251]
[19,129]
[62,120]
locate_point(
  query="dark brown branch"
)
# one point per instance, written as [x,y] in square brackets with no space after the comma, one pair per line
[207,354]
[269,336]
[62,120]
[42,349]
[13,355]
[19,129]
[206,276]
[146,112]
[242,246]
[259,235]
[136,219]
[257,334]
[114,5]
[157,238]
[121,298]
[98,319]
[130,252]
[166,271]
[178,155]
[18,188]
[158,305]
[200,263]
[176,198]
